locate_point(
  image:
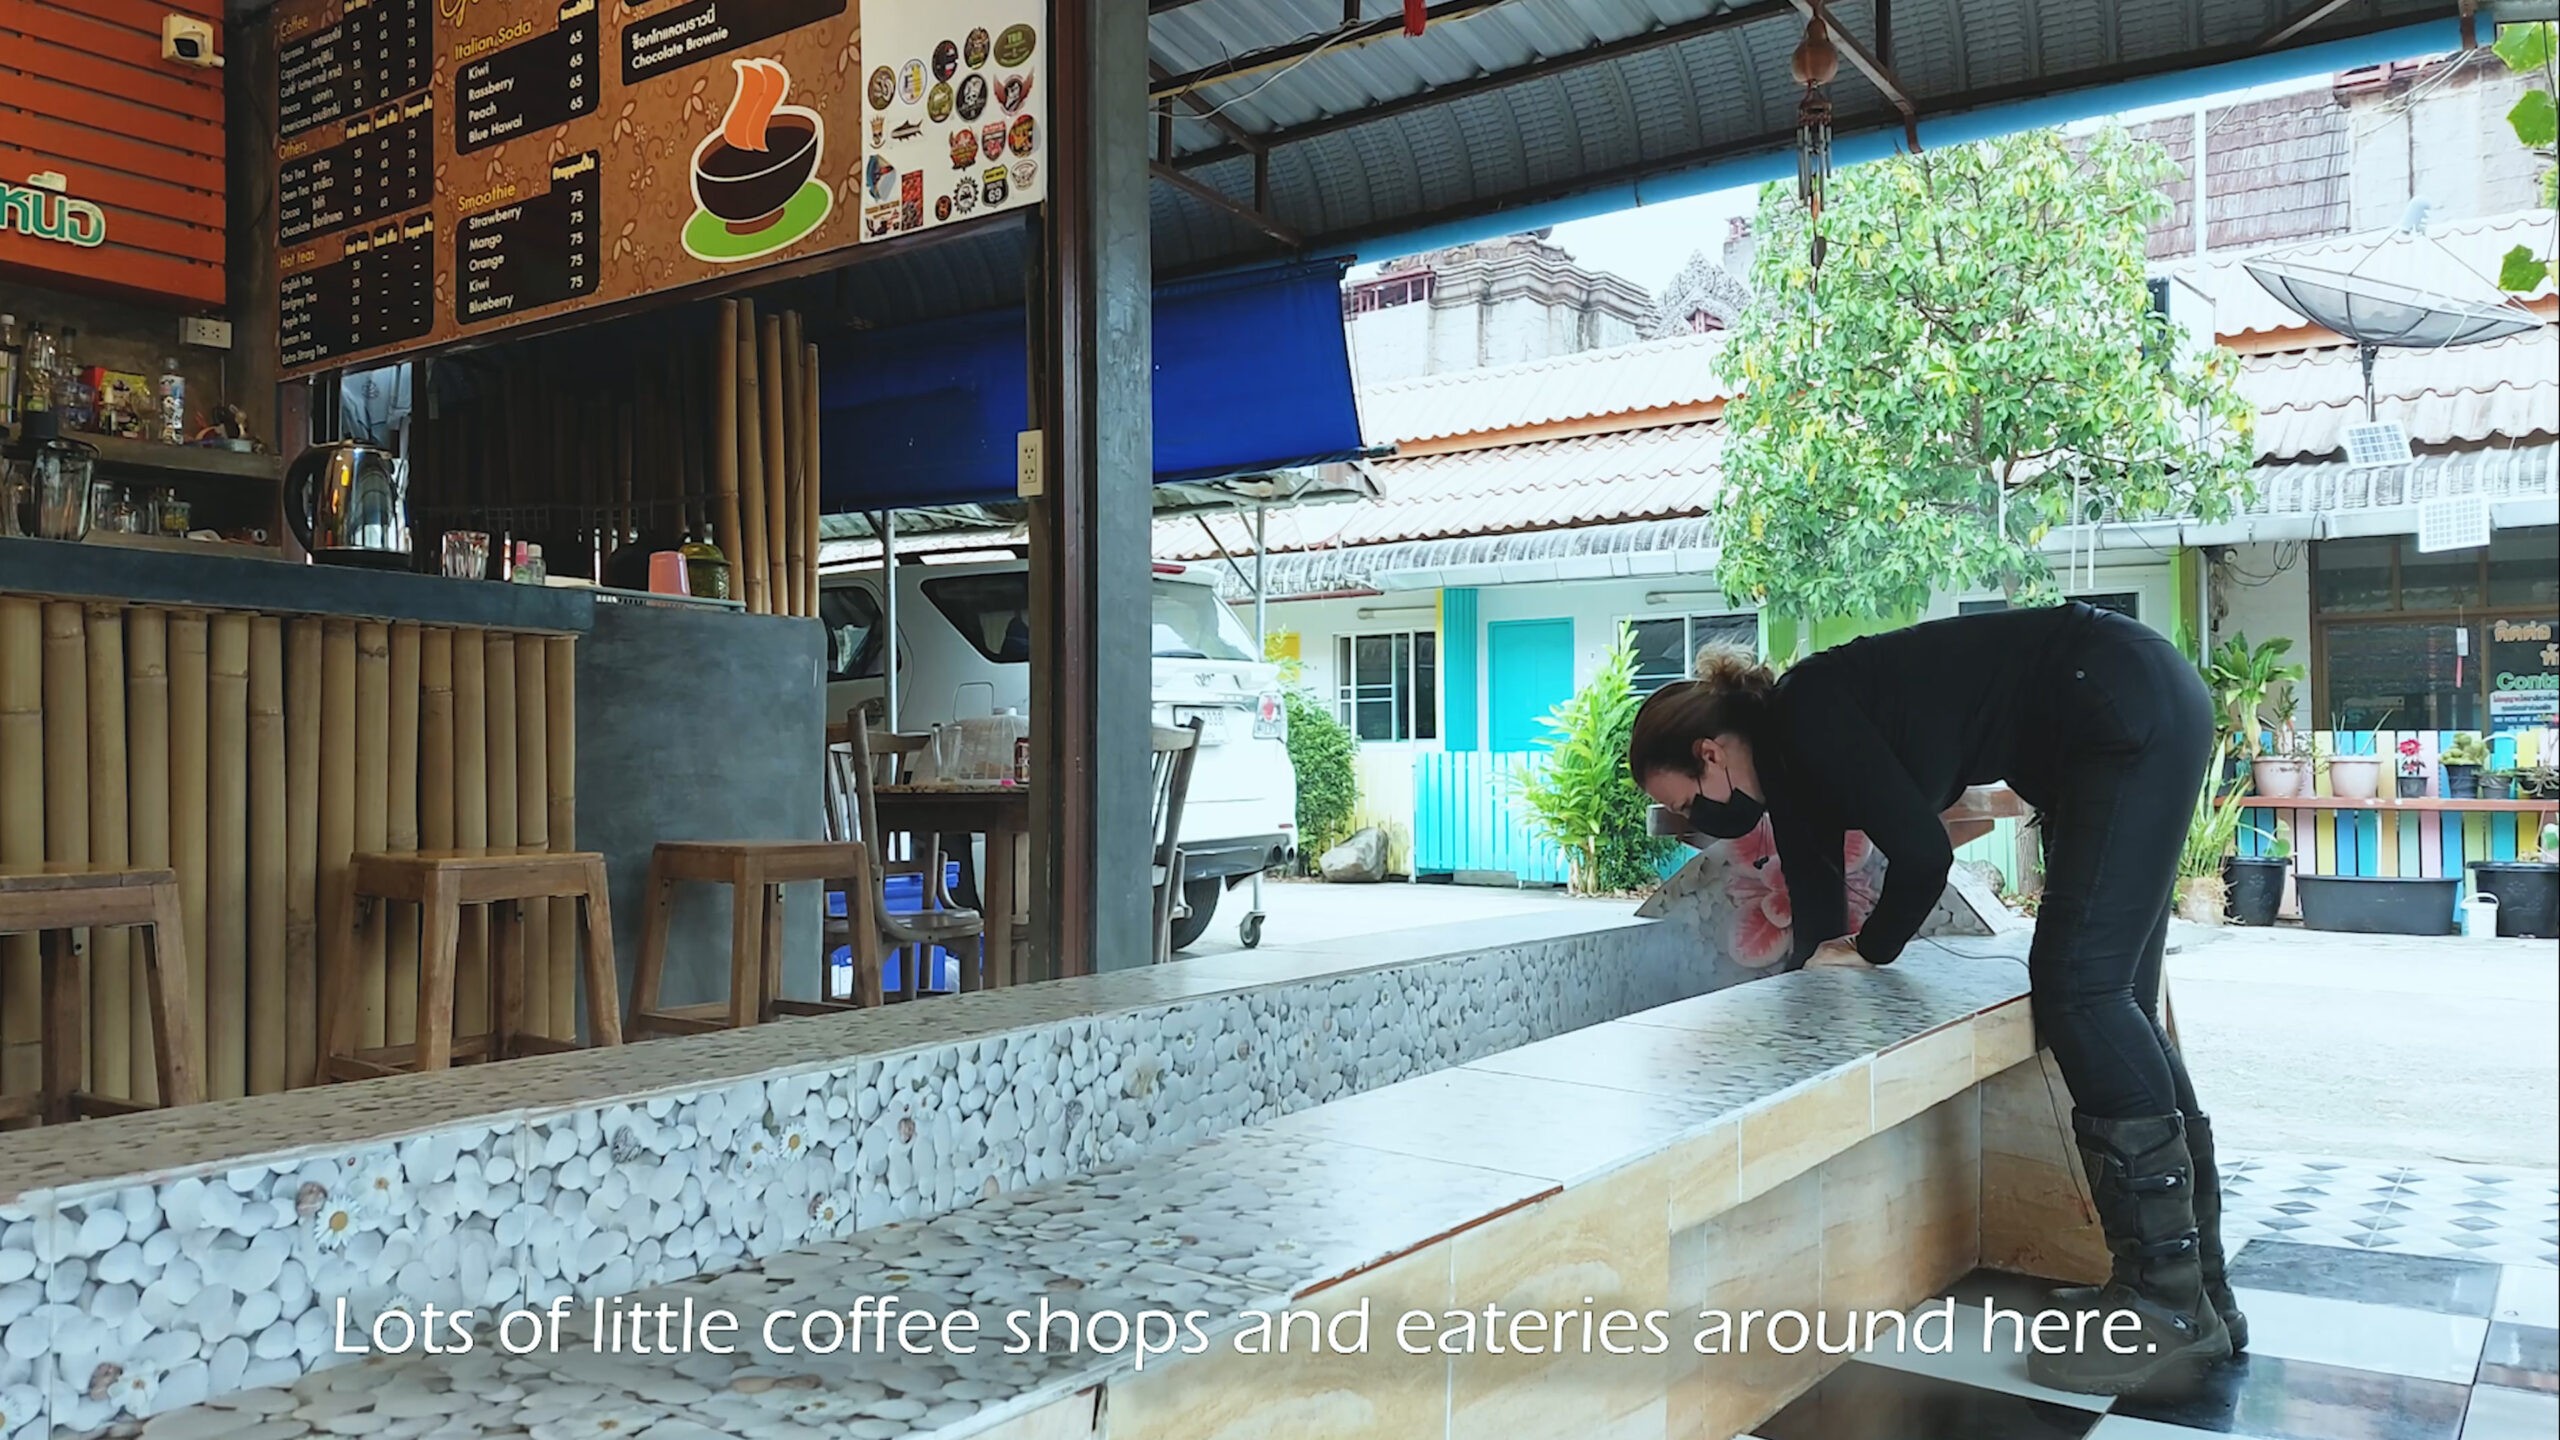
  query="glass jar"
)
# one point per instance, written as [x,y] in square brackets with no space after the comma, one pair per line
[50,480]
[120,509]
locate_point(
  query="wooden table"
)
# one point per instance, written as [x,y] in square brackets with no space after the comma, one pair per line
[1001,813]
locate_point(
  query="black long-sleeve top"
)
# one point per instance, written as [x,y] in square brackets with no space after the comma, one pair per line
[1883,734]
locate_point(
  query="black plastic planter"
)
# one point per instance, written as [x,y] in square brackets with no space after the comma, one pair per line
[2462,782]
[2528,895]
[2379,905]
[2253,888]
[2413,787]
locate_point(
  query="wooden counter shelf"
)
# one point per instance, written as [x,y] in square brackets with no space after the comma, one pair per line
[118,457]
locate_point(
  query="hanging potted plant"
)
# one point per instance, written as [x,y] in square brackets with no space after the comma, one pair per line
[2240,677]
[2359,777]
[2283,771]
[2253,885]
[2463,761]
[2211,837]
[2413,770]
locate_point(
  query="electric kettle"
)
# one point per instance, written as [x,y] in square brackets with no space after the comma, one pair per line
[348,503]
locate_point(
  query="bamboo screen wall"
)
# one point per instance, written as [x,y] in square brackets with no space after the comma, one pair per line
[254,754]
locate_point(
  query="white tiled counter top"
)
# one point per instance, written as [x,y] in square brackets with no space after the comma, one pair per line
[1732,1095]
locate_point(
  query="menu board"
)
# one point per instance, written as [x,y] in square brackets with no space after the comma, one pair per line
[955,114]
[449,169]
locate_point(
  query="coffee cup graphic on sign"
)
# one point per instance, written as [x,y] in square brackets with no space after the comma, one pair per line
[753,178]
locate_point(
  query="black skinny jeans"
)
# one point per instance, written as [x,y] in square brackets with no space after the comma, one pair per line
[2140,729]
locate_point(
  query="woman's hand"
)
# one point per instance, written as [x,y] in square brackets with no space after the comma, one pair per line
[1838,955]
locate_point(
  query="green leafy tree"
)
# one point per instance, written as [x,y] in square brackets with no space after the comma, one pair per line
[2533,49]
[1581,799]
[1322,753]
[1975,362]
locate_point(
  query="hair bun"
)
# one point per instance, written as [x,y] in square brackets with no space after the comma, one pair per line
[1732,669]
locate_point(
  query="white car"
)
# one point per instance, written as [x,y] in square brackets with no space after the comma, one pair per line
[965,650]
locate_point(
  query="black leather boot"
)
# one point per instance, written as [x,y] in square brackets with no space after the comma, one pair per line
[2217,1285]
[2142,1177]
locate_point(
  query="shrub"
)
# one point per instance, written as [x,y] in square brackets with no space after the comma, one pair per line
[1582,800]
[1321,751]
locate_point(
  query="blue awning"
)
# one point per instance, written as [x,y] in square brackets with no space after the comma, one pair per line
[1252,373]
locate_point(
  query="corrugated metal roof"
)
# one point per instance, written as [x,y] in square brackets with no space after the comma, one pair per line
[1622,380]
[2507,389]
[2326,487]
[2242,307]
[1349,570]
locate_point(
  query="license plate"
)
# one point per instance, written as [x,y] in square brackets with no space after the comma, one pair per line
[1270,722]
[1213,723]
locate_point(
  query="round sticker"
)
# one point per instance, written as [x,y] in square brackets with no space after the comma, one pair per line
[1024,172]
[1014,45]
[964,195]
[1024,137]
[972,96]
[974,48]
[946,60]
[942,208]
[911,81]
[994,192]
[1013,92]
[964,148]
[937,104]
[883,90]
[991,140]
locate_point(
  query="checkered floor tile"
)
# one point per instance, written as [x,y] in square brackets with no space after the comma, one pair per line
[2503,1217]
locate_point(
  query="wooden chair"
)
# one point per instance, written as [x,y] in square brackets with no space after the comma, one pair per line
[867,761]
[440,883]
[755,872]
[1176,749]
[52,904]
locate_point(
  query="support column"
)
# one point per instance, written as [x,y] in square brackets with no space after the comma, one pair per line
[1091,675]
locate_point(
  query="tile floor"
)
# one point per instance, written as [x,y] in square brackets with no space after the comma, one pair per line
[2399,1333]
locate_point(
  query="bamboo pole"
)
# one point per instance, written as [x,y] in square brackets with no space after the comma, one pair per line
[226,961]
[189,684]
[270,1052]
[302,889]
[777,465]
[560,713]
[21,836]
[471,820]
[112,1041]
[373,817]
[814,491]
[533,818]
[66,752]
[795,470]
[751,482]
[146,669]
[400,983]
[435,740]
[502,789]
[337,821]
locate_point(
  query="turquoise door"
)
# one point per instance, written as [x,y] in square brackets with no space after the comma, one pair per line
[1529,665]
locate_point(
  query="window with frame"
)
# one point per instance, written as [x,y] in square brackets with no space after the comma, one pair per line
[1387,687]
[2455,640]
[852,621]
[1666,645]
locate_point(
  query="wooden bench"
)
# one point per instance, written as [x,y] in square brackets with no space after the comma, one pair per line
[54,903]
[440,883]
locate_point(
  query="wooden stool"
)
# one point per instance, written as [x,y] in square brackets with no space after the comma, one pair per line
[755,872]
[54,904]
[440,883]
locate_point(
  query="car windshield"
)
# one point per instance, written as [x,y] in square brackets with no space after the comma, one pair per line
[993,613]
[1192,623]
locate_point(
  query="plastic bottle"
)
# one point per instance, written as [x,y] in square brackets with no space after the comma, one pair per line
[11,363]
[67,385]
[173,404]
[35,386]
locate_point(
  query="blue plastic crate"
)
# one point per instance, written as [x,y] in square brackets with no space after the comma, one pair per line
[905,892]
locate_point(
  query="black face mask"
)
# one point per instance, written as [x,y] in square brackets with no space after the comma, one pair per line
[1726,819]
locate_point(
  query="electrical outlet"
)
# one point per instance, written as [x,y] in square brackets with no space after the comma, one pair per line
[1030,464]
[202,330]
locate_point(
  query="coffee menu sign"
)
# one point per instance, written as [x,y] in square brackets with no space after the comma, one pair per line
[448,169]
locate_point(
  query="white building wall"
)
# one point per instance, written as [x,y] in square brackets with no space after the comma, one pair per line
[1392,344]
[2429,142]
[2262,592]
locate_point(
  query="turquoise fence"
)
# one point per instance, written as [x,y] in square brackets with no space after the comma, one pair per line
[1465,818]
[2390,836]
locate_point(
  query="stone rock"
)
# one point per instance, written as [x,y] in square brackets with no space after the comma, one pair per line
[1360,860]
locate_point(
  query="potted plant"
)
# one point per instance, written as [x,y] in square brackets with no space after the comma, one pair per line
[2528,891]
[2284,770]
[2413,770]
[2253,885]
[2533,782]
[2463,761]
[2241,677]
[2211,837]
[2359,777]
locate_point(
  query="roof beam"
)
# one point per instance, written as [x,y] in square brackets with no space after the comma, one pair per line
[1236,134]
[1877,72]
[2299,23]
[1637,44]
[1219,200]
[1288,53]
